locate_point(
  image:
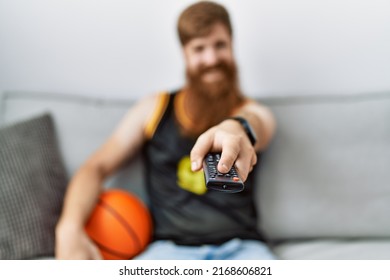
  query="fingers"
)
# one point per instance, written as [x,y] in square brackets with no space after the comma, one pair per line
[245,163]
[234,150]
[230,152]
[238,152]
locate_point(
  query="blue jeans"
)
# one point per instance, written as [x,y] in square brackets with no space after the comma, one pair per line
[235,249]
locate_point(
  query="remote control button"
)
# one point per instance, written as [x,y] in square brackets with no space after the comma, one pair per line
[218,180]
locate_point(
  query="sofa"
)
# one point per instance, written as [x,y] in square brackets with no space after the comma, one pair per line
[322,189]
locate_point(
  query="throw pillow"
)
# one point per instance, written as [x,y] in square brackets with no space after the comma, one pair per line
[32,185]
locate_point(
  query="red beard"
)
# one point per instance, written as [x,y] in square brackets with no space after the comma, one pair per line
[207,104]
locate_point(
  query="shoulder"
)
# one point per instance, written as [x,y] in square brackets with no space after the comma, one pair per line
[140,114]
[157,105]
[251,104]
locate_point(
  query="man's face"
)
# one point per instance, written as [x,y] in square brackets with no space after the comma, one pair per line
[210,58]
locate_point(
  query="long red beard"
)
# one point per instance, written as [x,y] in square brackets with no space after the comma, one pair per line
[207,104]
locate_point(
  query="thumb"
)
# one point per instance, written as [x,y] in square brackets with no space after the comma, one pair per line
[202,146]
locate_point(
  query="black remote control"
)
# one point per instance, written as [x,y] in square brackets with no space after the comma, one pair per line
[215,180]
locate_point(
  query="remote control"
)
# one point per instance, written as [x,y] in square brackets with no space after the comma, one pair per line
[225,182]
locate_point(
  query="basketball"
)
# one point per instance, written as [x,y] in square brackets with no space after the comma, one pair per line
[120,225]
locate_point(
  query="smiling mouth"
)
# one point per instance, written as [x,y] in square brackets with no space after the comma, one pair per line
[213,74]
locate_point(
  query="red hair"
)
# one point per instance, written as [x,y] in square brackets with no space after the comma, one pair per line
[198,19]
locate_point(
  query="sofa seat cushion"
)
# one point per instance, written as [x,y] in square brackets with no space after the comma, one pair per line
[335,249]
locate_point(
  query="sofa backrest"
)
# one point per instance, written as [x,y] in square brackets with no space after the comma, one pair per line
[82,125]
[325,174]
[327,171]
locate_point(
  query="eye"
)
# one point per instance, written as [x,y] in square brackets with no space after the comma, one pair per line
[221,45]
[198,49]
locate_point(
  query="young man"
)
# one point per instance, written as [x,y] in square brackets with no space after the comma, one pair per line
[176,131]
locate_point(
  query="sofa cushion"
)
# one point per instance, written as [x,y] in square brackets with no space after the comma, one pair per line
[1,107]
[83,124]
[326,173]
[334,249]
[32,185]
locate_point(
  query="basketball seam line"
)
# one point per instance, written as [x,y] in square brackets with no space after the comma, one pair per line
[111,251]
[121,220]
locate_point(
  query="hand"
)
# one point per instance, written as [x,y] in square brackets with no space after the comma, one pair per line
[74,244]
[230,139]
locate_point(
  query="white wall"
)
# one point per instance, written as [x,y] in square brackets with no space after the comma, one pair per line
[121,47]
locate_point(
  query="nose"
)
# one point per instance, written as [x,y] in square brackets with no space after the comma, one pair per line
[210,57]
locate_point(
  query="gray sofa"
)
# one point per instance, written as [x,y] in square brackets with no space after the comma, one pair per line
[323,188]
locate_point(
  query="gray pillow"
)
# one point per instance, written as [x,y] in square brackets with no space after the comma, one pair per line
[32,186]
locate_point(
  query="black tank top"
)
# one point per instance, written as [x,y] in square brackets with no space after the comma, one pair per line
[186,212]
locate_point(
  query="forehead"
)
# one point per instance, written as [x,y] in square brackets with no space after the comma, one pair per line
[217,32]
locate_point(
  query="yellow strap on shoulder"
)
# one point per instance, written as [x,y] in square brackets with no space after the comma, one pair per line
[155,119]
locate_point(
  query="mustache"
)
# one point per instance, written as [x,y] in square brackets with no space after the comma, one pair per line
[220,66]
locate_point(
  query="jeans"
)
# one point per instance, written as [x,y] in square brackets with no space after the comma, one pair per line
[235,249]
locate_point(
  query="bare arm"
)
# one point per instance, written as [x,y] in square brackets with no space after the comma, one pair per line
[230,138]
[86,185]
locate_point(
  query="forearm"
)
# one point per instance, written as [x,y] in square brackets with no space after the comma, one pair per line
[262,122]
[81,197]
[72,241]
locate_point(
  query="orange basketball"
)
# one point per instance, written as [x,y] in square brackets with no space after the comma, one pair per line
[120,225]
